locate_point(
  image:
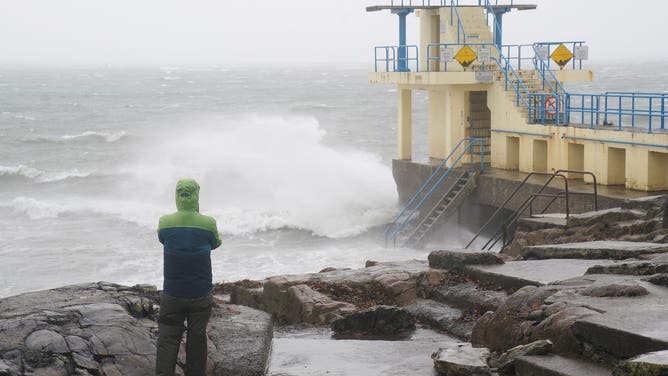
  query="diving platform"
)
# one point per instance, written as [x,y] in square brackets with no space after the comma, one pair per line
[512,99]
[420,5]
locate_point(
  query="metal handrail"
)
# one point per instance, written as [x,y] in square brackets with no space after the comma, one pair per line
[502,231]
[460,25]
[529,201]
[394,59]
[497,27]
[541,69]
[595,193]
[620,106]
[398,224]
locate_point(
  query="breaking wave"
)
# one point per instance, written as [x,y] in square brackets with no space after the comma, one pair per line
[261,173]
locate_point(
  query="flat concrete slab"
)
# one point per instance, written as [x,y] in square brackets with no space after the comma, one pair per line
[593,250]
[628,326]
[516,274]
[555,365]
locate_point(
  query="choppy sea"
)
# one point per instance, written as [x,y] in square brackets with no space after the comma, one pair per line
[294,163]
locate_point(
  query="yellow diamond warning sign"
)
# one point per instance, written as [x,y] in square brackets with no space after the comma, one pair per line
[466,56]
[561,55]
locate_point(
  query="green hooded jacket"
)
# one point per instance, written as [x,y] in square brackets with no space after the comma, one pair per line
[188,238]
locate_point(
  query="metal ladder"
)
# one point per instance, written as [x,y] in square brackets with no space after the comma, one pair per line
[448,203]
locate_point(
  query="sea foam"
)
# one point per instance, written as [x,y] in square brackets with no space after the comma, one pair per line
[261,172]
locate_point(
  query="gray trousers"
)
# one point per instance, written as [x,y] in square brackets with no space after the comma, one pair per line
[173,312]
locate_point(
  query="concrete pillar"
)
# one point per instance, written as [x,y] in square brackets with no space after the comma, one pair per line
[456,108]
[525,155]
[404,126]
[429,33]
[594,161]
[636,177]
[436,127]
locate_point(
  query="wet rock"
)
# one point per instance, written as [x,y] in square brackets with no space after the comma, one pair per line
[545,221]
[614,290]
[306,305]
[651,364]
[379,320]
[5,370]
[524,318]
[327,269]
[462,360]
[468,296]
[658,279]
[593,250]
[250,297]
[47,341]
[647,203]
[607,216]
[630,268]
[92,329]
[636,227]
[239,341]
[453,260]
[443,317]
[505,363]
[386,283]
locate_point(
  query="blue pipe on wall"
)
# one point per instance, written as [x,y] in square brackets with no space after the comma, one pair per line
[632,143]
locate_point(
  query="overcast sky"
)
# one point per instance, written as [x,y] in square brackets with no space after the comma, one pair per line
[291,31]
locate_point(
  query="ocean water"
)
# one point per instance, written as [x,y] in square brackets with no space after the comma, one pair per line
[294,163]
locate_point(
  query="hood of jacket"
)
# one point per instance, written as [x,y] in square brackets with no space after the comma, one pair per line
[187,195]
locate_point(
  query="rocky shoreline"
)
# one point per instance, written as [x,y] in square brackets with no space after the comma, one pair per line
[584,295]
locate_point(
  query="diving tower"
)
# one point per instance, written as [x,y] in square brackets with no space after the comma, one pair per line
[511,99]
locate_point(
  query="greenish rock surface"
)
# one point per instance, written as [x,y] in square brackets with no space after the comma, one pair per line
[651,364]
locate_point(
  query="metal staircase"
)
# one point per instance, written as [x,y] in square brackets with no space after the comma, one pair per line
[446,206]
[426,197]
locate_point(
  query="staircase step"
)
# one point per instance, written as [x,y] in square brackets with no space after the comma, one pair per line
[640,332]
[557,365]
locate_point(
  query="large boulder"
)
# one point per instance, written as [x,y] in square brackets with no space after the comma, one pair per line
[457,259]
[108,329]
[526,317]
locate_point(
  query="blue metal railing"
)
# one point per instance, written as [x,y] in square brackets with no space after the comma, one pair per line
[433,3]
[461,33]
[547,75]
[518,53]
[426,190]
[389,57]
[496,26]
[553,104]
[619,110]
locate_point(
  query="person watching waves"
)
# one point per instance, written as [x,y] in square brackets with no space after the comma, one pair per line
[188,238]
